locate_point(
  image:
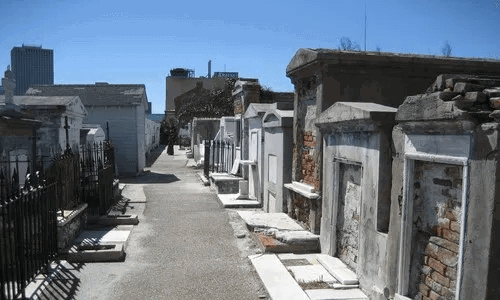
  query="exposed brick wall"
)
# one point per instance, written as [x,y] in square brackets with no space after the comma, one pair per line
[306,211]
[238,106]
[436,227]
[308,162]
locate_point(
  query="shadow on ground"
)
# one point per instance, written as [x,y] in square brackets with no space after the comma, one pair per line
[154,154]
[151,177]
[63,283]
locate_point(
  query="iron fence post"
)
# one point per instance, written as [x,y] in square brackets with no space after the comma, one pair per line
[207,158]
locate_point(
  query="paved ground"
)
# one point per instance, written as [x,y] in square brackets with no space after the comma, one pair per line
[183,248]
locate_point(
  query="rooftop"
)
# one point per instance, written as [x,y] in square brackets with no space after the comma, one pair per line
[99,94]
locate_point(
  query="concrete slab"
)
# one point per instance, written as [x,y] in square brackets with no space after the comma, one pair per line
[278,282]
[102,252]
[309,257]
[114,220]
[114,236]
[341,286]
[272,245]
[230,201]
[224,183]
[124,227]
[338,269]
[279,221]
[331,294]
[135,193]
[297,237]
[314,273]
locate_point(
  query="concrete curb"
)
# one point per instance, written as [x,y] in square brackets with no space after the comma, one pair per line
[203,179]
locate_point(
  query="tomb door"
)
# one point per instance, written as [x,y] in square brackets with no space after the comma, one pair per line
[254,155]
[272,175]
[346,212]
[433,238]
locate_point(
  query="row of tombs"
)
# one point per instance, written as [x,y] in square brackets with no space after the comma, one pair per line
[409,195]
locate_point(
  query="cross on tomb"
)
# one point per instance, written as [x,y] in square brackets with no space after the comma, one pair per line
[66,128]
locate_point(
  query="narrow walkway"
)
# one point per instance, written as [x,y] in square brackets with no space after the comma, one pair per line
[183,248]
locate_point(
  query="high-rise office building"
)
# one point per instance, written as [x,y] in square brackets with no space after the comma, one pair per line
[31,65]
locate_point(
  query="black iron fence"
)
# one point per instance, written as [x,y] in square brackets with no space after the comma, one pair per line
[30,201]
[65,173]
[28,228]
[97,172]
[219,156]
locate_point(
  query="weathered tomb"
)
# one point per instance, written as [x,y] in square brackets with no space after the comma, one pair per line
[202,129]
[253,161]
[356,187]
[322,77]
[445,192]
[277,125]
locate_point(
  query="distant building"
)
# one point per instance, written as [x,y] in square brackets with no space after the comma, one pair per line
[31,65]
[119,109]
[156,117]
[182,80]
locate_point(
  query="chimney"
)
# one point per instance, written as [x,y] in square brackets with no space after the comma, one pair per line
[209,69]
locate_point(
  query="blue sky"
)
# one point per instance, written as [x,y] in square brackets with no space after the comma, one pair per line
[140,41]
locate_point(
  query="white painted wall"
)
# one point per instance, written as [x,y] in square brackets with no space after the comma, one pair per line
[141,137]
[124,133]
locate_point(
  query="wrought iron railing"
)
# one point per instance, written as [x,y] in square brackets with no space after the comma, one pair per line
[97,172]
[30,201]
[219,156]
[28,229]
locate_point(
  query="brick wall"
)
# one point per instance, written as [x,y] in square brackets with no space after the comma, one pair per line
[308,162]
[306,211]
[436,227]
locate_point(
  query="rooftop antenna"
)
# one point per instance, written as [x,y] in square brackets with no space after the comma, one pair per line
[224,67]
[365,25]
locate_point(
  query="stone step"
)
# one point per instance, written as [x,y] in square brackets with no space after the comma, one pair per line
[231,201]
[338,269]
[224,183]
[331,294]
[102,252]
[273,245]
[278,282]
[114,220]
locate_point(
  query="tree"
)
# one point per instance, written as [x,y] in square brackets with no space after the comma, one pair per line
[266,93]
[347,45]
[168,131]
[212,104]
[446,50]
